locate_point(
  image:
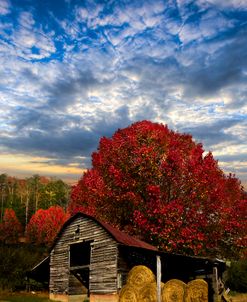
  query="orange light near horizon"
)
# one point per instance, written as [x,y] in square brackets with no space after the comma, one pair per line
[25,166]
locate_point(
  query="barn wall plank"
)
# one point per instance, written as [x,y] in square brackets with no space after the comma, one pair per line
[103,263]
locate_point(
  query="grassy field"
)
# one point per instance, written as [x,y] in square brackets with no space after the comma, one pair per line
[24,297]
[239,298]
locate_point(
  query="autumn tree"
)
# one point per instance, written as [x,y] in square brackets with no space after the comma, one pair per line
[45,224]
[10,227]
[26,196]
[159,185]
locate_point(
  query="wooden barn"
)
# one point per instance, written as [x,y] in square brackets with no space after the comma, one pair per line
[91,258]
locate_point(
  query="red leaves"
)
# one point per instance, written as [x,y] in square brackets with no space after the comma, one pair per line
[45,224]
[158,184]
[10,228]
[88,193]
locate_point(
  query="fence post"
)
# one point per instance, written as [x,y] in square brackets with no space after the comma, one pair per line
[215,284]
[158,277]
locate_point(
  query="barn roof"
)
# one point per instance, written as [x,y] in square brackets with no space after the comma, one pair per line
[125,239]
[119,236]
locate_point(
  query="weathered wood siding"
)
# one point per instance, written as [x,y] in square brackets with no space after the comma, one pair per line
[103,266]
[123,269]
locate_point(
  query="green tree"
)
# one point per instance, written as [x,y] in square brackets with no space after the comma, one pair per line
[237,276]
[36,185]
[54,193]
[3,192]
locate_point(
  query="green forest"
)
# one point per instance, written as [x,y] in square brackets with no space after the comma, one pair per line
[26,196]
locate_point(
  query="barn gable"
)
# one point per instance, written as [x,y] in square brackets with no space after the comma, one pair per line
[83,250]
[120,237]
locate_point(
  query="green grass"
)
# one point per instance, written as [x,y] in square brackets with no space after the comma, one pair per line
[23,298]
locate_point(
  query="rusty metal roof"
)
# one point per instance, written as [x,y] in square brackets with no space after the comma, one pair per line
[119,236]
[126,239]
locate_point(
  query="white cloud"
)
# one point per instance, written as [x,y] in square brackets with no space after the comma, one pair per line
[5,7]
[236,4]
[26,40]
[32,44]
[89,15]
[212,23]
[26,20]
[189,33]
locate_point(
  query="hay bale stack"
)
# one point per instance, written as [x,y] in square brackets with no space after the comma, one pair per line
[148,293]
[128,294]
[139,276]
[197,290]
[141,287]
[173,291]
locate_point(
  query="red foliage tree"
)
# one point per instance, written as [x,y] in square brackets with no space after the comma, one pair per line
[45,224]
[10,228]
[158,184]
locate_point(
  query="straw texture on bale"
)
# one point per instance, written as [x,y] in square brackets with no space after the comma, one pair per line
[173,291]
[139,276]
[197,291]
[128,294]
[148,293]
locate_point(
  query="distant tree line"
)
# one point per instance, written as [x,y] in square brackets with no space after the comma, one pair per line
[26,196]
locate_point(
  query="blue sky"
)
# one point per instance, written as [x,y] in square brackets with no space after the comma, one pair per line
[73,71]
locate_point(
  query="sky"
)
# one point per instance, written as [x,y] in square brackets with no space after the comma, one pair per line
[74,71]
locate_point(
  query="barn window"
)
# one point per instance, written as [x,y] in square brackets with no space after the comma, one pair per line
[80,254]
[77,233]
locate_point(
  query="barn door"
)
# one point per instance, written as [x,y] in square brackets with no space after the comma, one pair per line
[79,267]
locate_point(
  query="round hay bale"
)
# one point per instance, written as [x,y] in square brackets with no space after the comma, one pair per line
[128,294]
[173,291]
[162,286]
[148,293]
[197,291]
[139,276]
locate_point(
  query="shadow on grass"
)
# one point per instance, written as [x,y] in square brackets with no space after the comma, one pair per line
[23,297]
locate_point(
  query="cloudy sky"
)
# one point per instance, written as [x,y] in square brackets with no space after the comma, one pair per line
[73,71]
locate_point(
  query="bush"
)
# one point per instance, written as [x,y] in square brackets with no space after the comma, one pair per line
[15,261]
[237,276]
